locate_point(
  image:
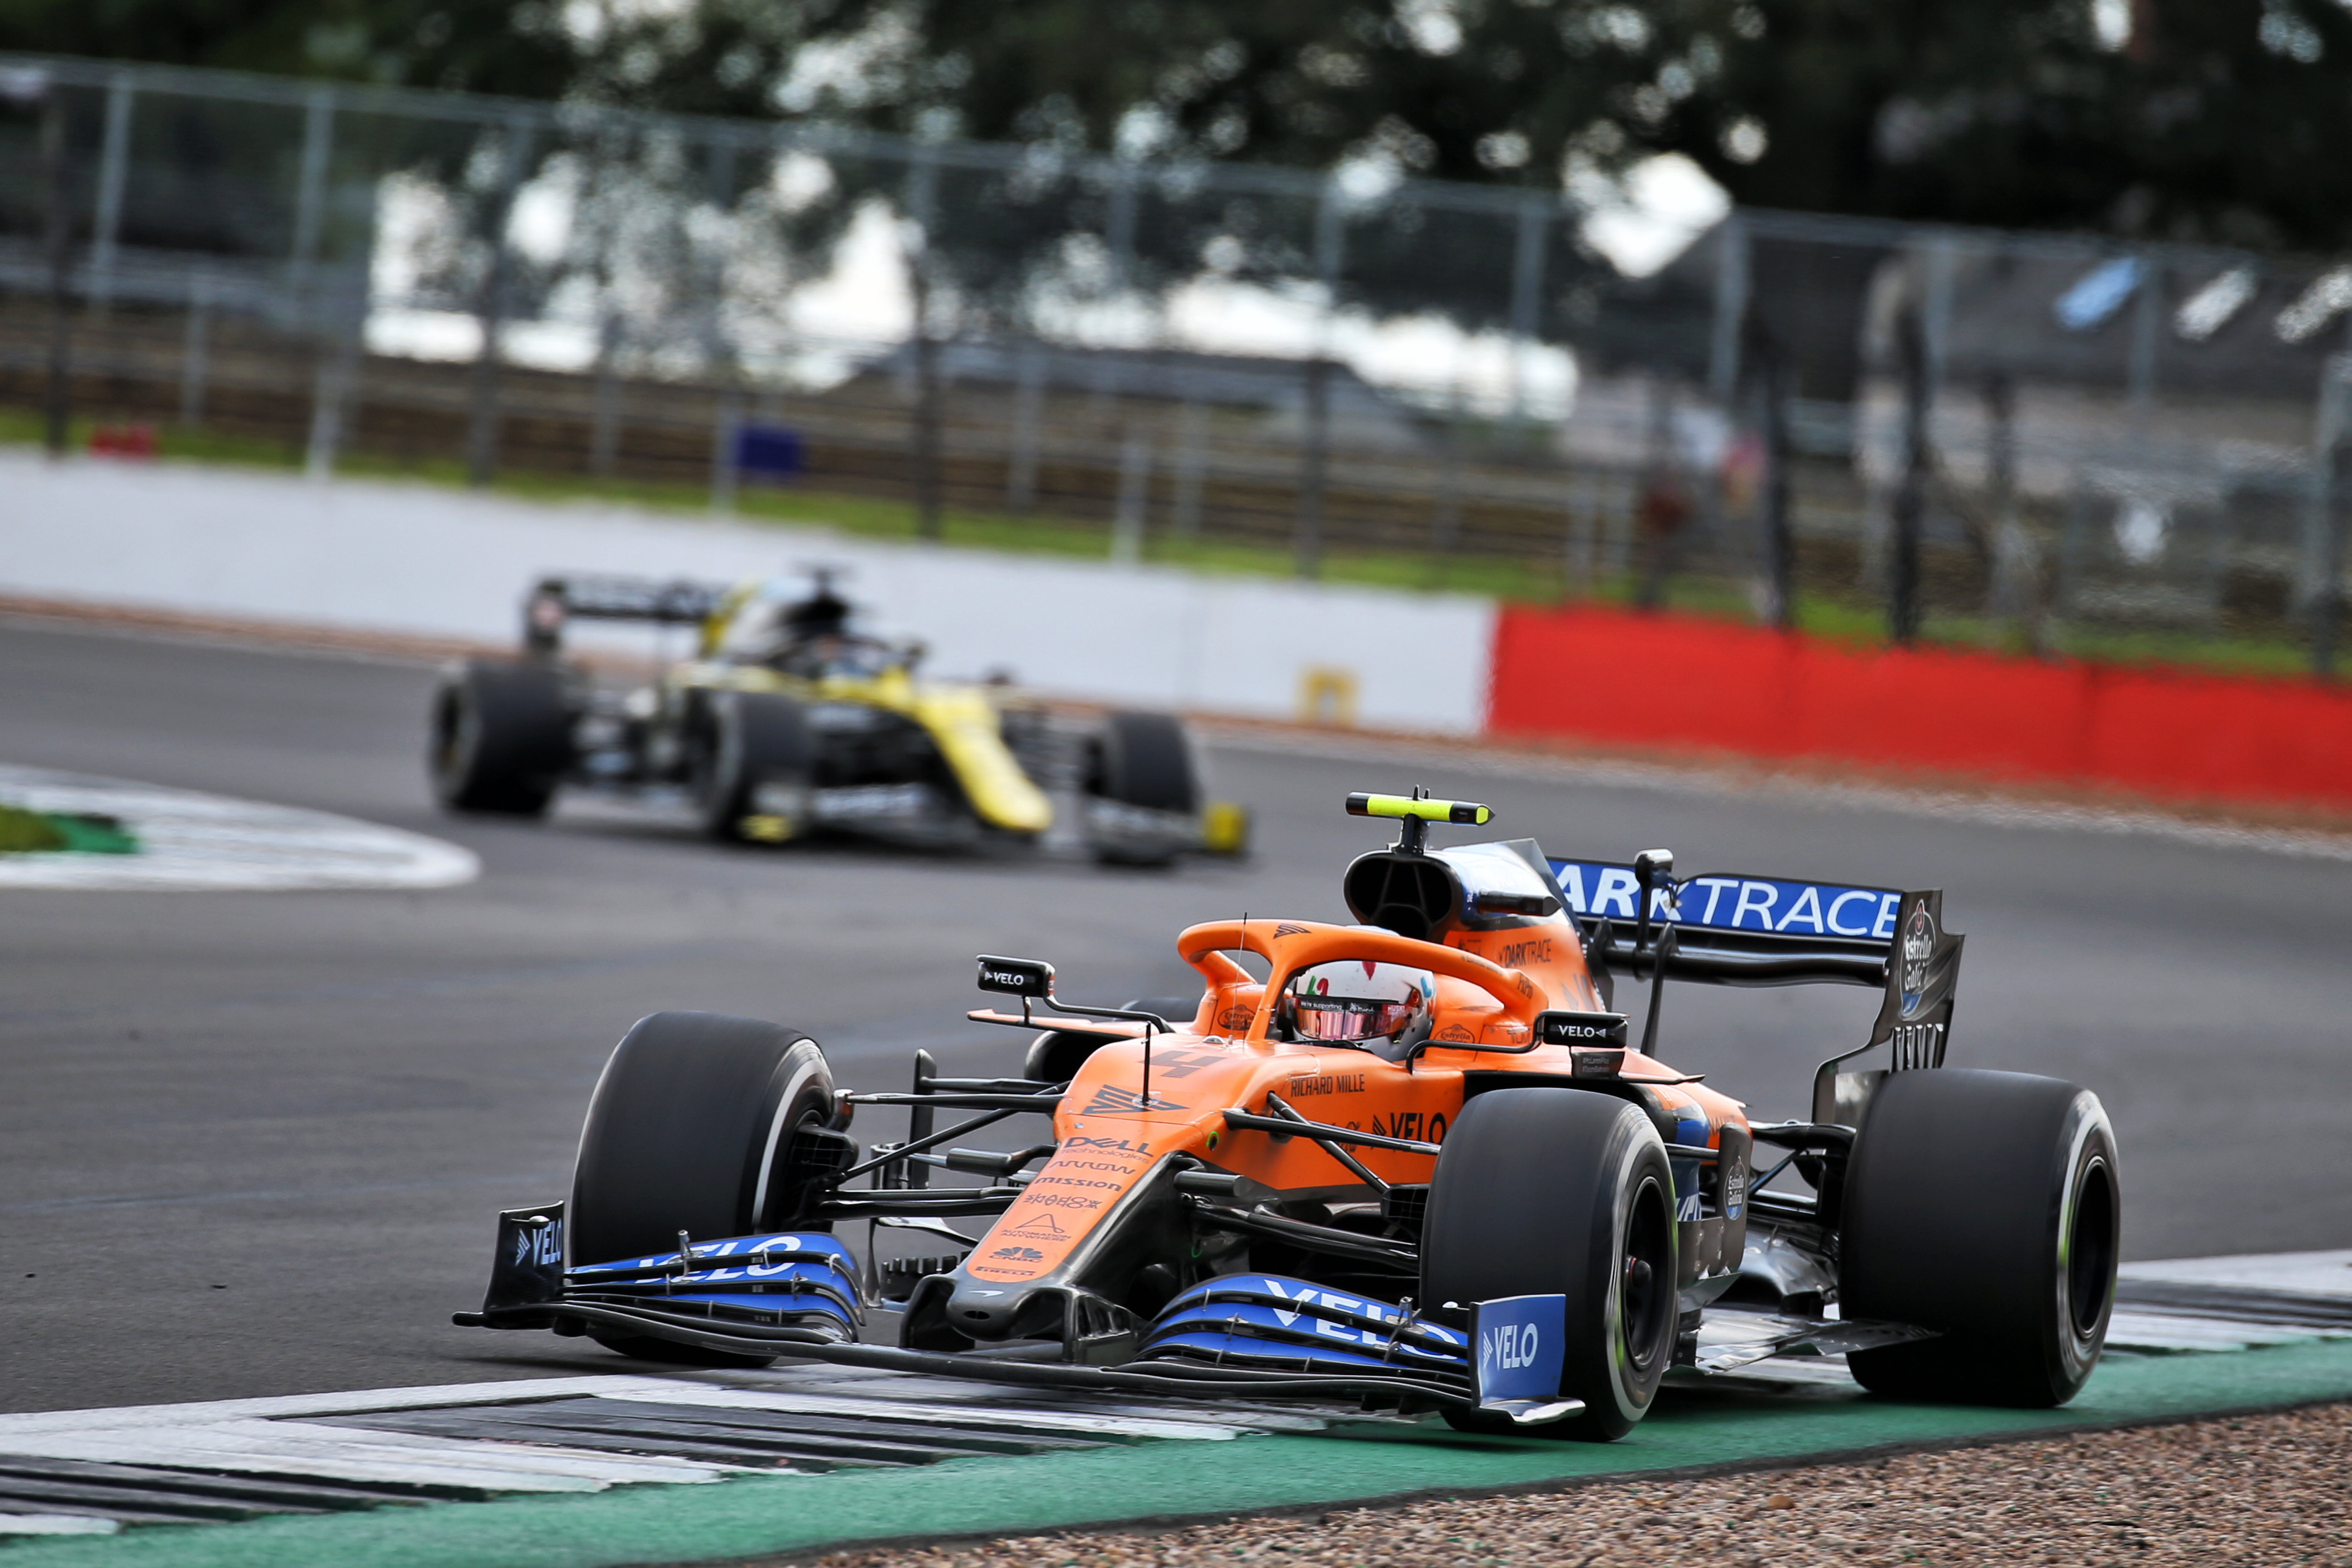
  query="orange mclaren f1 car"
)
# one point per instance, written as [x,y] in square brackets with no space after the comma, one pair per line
[1415,1159]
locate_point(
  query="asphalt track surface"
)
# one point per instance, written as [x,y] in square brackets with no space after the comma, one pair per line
[251,1143]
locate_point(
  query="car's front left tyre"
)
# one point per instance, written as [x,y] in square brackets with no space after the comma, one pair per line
[751,760]
[1544,1192]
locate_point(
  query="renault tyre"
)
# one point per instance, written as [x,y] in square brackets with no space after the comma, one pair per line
[1145,790]
[751,758]
[703,1123]
[501,737]
[1542,1192]
[1986,1207]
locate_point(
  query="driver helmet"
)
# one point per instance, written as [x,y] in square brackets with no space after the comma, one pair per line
[1359,1002]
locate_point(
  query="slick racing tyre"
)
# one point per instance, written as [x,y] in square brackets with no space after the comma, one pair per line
[751,757]
[1984,1205]
[1145,759]
[715,1126]
[1544,1192]
[501,737]
[1143,762]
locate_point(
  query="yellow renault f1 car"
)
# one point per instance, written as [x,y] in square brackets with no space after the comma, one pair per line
[789,723]
[1415,1158]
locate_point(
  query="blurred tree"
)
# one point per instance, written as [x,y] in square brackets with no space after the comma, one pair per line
[2191,119]
[518,46]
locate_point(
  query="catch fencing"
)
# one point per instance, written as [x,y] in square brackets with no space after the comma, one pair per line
[2062,442]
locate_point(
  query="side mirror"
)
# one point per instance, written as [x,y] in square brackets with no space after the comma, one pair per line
[1596,1041]
[1599,1031]
[1031,978]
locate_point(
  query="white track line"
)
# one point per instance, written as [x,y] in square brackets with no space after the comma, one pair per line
[353,1454]
[962,1415]
[2307,1273]
[357,1402]
[55,1524]
[213,843]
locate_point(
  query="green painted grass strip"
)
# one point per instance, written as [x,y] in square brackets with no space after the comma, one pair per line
[1013,1496]
[24,832]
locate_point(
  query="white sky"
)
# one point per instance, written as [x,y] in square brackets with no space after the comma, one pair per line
[865,302]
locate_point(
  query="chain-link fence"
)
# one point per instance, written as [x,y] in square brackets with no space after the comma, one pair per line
[2049,440]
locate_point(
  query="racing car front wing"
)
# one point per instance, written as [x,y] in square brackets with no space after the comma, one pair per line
[803,1294]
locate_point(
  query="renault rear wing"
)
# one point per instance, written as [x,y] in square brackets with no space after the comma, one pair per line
[554,601]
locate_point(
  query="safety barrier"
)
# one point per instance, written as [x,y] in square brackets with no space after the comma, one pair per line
[420,561]
[1681,683]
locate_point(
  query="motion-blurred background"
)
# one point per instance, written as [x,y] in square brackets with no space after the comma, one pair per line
[2019,323]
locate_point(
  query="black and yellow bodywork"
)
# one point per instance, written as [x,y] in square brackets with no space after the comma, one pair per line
[787,723]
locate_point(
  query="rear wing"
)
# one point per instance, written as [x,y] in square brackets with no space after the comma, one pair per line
[1763,931]
[556,601]
[1737,930]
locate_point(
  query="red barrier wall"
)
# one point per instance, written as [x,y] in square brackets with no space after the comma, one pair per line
[1682,682]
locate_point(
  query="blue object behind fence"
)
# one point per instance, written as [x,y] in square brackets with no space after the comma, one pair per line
[768,452]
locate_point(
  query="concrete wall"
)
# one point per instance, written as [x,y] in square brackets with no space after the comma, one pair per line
[422,561]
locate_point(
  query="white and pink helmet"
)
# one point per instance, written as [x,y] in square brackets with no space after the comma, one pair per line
[1359,1002]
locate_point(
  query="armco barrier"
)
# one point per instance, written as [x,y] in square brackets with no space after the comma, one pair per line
[1676,682]
[414,560]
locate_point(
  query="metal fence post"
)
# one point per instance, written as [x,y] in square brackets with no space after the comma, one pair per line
[2147,324]
[331,392]
[1028,393]
[1772,383]
[1583,530]
[2331,459]
[55,403]
[724,432]
[922,200]
[1134,498]
[1191,440]
[605,400]
[195,350]
[1445,514]
[1731,286]
[482,425]
[1307,545]
[1911,491]
[113,168]
[310,189]
[1526,300]
[1307,542]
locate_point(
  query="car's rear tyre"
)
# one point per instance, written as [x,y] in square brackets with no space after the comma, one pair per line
[1984,1205]
[692,1128]
[501,737]
[1543,1192]
[752,756]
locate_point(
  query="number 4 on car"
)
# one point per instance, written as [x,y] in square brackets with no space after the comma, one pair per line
[1418,1159]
